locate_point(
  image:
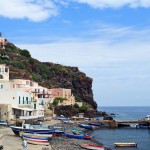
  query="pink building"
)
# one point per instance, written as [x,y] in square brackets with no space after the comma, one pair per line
[2,43]
[64,93]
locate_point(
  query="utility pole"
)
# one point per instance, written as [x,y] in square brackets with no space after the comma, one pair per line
[0,34]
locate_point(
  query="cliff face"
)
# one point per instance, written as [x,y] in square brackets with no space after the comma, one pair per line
[47,74]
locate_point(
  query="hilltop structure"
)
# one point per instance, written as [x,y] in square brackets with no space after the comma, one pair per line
[2,41]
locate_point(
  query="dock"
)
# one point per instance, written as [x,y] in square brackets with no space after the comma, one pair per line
[117,123]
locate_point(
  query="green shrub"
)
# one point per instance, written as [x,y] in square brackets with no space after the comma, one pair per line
[25,52]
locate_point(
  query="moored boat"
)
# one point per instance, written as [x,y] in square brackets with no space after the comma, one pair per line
[126,144]
[89,127]
[92,147]
[143,126]
[96,124]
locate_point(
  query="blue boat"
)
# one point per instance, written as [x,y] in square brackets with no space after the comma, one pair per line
[143,126]
[16,130]
[89,127]
[40,139]
[96,124]
[75,136]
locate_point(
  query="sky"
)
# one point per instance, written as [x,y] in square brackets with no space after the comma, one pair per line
[109,40]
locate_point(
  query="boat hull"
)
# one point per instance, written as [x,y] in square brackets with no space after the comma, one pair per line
[16,131]
[125,144]
[38,142]
[89,127]
[70,135]
[92,147]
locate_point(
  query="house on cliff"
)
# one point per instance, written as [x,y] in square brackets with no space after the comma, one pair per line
[2,41]
[64,93]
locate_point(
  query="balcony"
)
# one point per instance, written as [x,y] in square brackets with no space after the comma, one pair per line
[30,117]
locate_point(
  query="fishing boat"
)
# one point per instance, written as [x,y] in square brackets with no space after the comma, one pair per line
[96,124]
[134,125]
[35,139]
[89,127]
[93,147]
[143,126]
[36,136]
[28,129]
[75,136]
[87,137]
[126,144]
[31,141]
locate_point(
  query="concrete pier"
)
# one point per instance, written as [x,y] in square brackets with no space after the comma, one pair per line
[116,123]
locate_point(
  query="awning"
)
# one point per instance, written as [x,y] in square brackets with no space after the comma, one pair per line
[27,109]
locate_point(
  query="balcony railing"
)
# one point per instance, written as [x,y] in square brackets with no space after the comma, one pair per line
[30,117]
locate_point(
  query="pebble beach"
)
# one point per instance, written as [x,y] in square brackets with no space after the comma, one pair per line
[12,142]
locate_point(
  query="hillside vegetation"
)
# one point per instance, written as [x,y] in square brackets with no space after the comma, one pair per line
[48,74]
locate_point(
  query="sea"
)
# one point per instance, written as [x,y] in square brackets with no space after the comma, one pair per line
[124,134]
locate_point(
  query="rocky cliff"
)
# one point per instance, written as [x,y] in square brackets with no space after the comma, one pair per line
[47,74]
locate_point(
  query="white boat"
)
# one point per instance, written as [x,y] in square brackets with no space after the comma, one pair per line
[134,125]
[147,117]
[46,136]
[92,147]
[69,122]
[126,144]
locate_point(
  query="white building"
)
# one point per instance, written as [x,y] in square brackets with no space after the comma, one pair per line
[20,98]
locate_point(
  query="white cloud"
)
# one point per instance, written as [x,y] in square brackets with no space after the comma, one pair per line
[34,10]
[115,3]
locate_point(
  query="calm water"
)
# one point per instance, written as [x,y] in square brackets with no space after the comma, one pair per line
[109,136]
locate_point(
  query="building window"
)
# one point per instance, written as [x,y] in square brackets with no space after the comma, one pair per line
[23,100]
[27,100]
[27,82]
[1,86]
[6,69]
[19,99]
[1,76]
[34,106]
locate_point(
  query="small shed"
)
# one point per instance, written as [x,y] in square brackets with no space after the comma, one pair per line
[81,115]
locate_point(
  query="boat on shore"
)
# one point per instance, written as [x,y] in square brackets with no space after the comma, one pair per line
[36,142]
[47,137]
[126,144]
[68,122]
[75,136]
[92,147]
[87,137]
[27,129]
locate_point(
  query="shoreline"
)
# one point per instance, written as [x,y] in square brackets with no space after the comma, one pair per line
[71,143]
[12,142]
